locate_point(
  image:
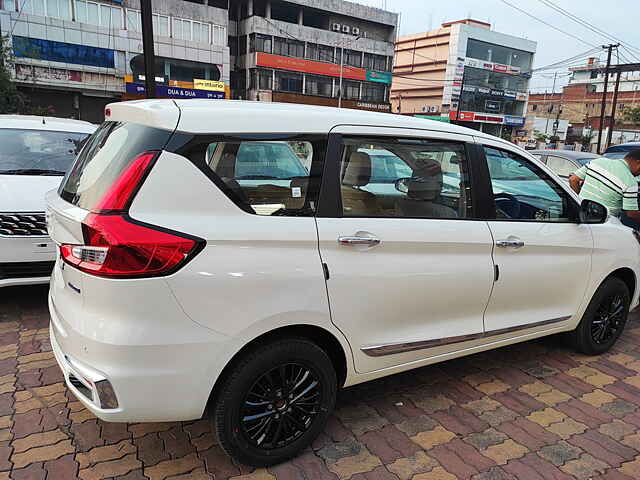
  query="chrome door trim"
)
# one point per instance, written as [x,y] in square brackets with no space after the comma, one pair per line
[393,348]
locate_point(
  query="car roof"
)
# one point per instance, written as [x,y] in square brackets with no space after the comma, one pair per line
[33,122]
[623,147]
[240,116]
[570,154]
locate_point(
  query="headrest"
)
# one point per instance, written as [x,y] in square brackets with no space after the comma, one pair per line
[358,171]
[426,182]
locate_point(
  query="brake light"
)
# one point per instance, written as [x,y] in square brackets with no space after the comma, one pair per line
[121,192]
[116,246]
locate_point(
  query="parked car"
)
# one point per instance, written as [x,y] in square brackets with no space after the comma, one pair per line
[563,162]
[619,151]
[178,287]
[35,152]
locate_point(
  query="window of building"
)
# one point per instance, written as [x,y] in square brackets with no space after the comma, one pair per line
[375,62]
[218,35]
[353,58]
[499,54]
[288,47]
[316,85]
[288,82]
[262,79]
[501,81]
[261,43]
[534,107]
[594,74]
[44,8]
[99,14]
[373,92]
[190,30]
[350,89]
[160,23]
[326,53]
[312,51]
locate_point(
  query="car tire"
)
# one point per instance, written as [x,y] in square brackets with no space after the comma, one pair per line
[604,320]
[274,401]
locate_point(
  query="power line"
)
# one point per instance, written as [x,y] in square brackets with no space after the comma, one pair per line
[547,23]
[583,22]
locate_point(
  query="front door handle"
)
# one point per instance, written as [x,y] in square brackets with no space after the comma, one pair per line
[359,240]
[510,243]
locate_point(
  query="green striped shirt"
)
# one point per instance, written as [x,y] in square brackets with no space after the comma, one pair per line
[609,181]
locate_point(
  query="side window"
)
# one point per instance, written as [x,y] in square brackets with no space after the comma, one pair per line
[263,177]
[404,178]
[561,166]
[524,192]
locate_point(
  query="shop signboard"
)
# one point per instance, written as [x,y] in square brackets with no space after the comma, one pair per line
[513,120]
[308,66]
[380,77]
[173,92]
[497,93]
[510,94]
[211,85]
[492,106]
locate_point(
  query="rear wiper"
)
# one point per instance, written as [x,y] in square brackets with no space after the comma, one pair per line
[31,171]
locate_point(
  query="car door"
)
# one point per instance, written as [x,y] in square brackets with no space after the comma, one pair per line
[543,255]
[410,279]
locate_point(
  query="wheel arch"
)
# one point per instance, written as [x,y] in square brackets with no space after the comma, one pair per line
[628,277]
[320,336]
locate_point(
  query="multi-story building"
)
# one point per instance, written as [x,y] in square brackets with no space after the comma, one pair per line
[464,72]
[293,52]
[77,55]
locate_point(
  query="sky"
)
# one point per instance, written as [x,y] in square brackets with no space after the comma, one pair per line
[616,17]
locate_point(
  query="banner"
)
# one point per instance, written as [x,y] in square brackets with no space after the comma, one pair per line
[513,121]
[308,66]
[212,85]
[496,67]
[380,77]
[173,92]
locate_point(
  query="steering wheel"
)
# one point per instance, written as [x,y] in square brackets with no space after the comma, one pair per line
[507,205]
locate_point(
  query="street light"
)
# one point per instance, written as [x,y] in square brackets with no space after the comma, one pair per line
[342,68]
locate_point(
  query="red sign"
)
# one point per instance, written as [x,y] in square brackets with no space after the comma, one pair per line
[488,119]
[463,116]
[308,66]
[498,67]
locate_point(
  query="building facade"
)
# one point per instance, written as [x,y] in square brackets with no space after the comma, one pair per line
[75,56]
[293,52]
[467,73]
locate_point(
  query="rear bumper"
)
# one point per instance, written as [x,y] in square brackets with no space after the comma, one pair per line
[169,381]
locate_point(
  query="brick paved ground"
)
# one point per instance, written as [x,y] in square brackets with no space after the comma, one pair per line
[532,411]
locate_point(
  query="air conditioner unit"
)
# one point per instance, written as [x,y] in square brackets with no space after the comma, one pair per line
[346,28]
[363,34]
[336,27]
[355,30]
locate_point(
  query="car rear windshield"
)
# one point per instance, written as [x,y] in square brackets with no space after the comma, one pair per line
[104,157]
[37,152]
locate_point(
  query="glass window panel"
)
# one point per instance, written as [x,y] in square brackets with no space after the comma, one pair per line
[404,179]
[37,7]
[105,16]
[522,191]
[116,17]
[134,20]
[64,9]
[325,53]
[81,11]
[561,166]
[92,14]
[52,8]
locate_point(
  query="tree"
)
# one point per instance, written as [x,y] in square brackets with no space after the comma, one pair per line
[11,100]
[540,137]
[632,114]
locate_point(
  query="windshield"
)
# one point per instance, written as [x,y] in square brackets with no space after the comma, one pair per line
[37,152]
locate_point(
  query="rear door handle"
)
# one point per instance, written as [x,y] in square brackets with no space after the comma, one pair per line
[358,240]
[510,243]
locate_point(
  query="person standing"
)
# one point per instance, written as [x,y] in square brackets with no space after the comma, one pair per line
[611,182]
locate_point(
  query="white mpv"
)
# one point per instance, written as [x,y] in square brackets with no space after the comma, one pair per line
[203,264]
[35,153]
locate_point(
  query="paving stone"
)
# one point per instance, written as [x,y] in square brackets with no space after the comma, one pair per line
[360,419]
[379,473]
[176,466]
[631,469]
[311,466]
[41,454]
[617,429]
[618,408]
[110,469]
[584,467]
[546,417]
[494,473]
[432,404]
[416,425]
[150,449]
[459,420]
[346,467]
[430,439]
[560,453]
[220,465]
[505,451]
[86,435]
[334,452]
[437,473]
[406,468]
[176,441]
[452,462]
[546,469]
[64,467]
[498,416]
[38,440]
[584,413]
[485,404]
[518,401]
[482,440]
[566,428]
[35,471]
[106,453]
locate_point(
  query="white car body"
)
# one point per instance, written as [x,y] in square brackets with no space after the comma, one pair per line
[28,256]
[161,343]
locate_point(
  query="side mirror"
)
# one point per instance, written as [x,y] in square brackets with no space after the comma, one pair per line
[402,184]
[592,212]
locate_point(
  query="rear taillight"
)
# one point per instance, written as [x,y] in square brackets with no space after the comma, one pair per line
[117,246]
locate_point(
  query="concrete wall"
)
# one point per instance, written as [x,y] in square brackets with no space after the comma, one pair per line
[351,9]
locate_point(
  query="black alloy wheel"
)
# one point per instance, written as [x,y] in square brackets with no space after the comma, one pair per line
[280,406]
[608,320]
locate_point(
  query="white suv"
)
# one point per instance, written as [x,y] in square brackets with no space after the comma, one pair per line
[35,152]
[201,265]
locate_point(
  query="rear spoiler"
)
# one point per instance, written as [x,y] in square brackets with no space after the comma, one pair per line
[159,113]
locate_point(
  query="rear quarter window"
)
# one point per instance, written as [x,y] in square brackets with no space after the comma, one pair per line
[104,157]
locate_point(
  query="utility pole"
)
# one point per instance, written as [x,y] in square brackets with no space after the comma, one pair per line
[460,98]
[603,105]
[613,111]
[553,91]
[147,49]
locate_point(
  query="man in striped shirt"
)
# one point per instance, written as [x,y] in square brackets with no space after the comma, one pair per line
[611,182]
